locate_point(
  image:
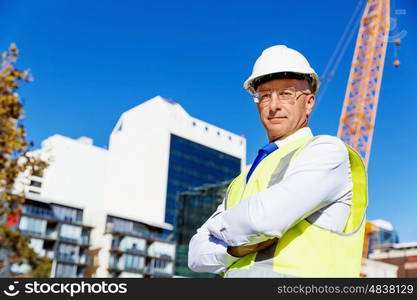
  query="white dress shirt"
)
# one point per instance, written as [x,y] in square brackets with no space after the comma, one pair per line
[317,186]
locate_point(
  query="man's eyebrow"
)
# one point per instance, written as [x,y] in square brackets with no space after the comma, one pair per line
[284,87]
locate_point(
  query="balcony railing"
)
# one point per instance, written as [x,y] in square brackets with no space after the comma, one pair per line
[157,272]
[144,234]
[33,210]
[75,259]
[133,269]
[84,240]
[136,250]
[161,256]
[33,232]
[49,234]
[75,240]
[67,257]
[129,250]
[48,213]
[143,252]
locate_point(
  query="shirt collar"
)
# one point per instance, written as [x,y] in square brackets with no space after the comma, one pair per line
[300,133]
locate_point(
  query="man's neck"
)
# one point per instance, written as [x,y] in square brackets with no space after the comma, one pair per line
[300,133]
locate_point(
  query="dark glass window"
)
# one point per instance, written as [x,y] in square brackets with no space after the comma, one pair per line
[67,213]
[35,183]
[192,165]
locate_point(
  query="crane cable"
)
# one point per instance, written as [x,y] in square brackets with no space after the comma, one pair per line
[397,40]
[338,54]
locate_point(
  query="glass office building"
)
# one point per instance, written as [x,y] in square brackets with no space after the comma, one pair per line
[194,208]
[192,165]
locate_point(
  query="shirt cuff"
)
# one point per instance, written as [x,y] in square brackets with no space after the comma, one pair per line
[216,228]
[212,258]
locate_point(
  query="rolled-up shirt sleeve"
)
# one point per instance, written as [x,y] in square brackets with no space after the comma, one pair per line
[316,178]
[206,253]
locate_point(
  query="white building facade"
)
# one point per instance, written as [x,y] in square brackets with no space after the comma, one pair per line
[146,163]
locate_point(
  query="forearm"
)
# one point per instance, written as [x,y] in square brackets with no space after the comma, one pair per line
[239,251]
[207,253]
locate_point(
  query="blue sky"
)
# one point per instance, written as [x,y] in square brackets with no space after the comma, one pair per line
[93,60]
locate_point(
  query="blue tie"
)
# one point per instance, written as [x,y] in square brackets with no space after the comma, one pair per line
[262,153]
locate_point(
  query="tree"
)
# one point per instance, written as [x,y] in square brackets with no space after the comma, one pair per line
[14,160]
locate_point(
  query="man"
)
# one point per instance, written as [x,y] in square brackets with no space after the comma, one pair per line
[299,210]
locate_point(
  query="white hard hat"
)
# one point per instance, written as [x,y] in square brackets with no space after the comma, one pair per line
[279,59]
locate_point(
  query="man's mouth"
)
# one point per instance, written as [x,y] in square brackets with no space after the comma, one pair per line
[276,118]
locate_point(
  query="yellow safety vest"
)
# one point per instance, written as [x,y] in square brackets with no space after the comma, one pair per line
[305,250]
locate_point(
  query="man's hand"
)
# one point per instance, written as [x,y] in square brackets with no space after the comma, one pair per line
[239,251]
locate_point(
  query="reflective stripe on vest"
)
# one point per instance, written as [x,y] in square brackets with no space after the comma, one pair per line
[305,250]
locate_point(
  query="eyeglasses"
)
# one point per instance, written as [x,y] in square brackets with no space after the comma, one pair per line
[283,94]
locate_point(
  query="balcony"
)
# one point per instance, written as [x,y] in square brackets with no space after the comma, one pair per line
[127,265]
[133,269]
[67,257]
[34,233]
[116,266]
[157,272]
[81,240]
[72,240]
[38,211]
[74,259]
[48,235]
[134,251]
[68,219]
[161,256]
[110,228]
[48,214]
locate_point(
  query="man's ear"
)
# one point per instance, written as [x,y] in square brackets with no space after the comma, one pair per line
[310,102]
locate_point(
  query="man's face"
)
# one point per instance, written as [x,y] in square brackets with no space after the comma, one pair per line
[282,118]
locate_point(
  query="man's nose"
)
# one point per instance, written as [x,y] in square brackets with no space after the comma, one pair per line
[275,104]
